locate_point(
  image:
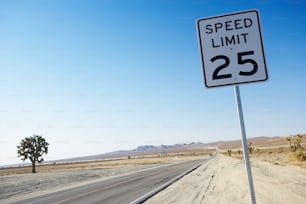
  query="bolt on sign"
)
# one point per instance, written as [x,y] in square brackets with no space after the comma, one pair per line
[231,48]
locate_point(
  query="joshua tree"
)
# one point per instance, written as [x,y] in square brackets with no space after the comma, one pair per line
[33,148]
[290,144]
[229,152]
[251,148]
[296,142]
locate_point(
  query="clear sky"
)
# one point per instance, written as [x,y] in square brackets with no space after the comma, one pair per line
[94,76]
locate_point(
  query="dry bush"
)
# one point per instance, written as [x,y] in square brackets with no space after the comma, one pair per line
[297,151]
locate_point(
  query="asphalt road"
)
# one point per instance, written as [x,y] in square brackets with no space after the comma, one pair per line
[124,189]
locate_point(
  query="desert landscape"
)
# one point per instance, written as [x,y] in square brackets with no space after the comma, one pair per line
[223,180]
[279,175]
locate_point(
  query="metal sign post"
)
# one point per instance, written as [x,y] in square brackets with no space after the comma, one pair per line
[245,145]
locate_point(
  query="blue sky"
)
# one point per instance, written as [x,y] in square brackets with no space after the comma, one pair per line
[98,76]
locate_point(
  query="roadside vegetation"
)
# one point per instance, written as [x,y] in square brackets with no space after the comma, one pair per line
[277,152]
[295,144]
[33,148]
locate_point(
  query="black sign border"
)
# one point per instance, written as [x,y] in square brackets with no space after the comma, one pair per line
[261,41]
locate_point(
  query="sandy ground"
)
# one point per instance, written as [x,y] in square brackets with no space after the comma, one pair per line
[220,180]
[223,180]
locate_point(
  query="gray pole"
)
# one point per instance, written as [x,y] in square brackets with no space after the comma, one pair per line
[245,145]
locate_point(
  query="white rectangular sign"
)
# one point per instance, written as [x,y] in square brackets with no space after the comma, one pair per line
[232,49]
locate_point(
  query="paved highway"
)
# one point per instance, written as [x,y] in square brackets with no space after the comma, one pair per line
[124,189]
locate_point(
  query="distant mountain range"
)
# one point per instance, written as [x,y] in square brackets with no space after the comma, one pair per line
[177,148]
[143,151]
[164,147]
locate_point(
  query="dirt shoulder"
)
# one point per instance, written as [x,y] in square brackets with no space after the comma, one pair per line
[223,180]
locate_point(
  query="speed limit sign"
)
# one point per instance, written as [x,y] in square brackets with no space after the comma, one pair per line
[231,48]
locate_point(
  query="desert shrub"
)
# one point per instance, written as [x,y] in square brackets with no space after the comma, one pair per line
[251,148]
[298,140]
[229,152]
[295,142]
[256,151]
[289,139]
[299,155]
